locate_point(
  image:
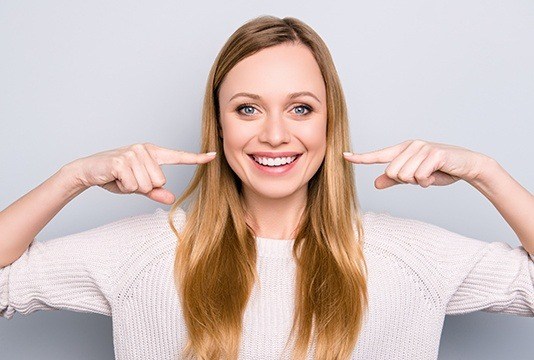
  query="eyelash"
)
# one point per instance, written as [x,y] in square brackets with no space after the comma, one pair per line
[242,106]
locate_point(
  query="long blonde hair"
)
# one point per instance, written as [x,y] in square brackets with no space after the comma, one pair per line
[215,263]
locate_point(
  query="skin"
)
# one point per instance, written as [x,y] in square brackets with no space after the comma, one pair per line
[274,123]
[275,203]
[426,163]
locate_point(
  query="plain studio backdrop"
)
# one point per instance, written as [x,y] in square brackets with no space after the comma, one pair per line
[80,77]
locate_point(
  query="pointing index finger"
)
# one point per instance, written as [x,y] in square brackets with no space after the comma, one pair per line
[381,156]
[164,156]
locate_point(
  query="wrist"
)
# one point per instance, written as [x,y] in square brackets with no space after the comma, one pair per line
[67,176]
[490,173]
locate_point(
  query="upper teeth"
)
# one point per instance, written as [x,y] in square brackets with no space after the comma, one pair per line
[274,161]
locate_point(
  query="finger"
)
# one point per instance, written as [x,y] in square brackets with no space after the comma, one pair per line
[140,172]
[383,181]
[126,181]
[154,171]
[407,172]
[164,156]
[399,163]
[427,168]
[161,195]
[379,156]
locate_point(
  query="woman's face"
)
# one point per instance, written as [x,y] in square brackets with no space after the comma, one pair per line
[271,121]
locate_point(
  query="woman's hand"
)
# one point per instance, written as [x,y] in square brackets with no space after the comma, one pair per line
[423,163]
[133,169]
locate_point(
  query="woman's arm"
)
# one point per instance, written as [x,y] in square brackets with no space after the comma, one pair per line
[470,274]
[513,201]
[426,163]
[21,221]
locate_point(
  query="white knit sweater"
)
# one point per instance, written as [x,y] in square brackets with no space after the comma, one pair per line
[418,273]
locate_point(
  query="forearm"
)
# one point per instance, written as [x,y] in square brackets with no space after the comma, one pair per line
[21,221]
[513,201]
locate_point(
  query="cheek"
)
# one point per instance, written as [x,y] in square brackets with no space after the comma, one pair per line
[237,135]
[313,136]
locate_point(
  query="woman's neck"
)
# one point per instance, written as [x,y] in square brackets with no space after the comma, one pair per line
[274,218]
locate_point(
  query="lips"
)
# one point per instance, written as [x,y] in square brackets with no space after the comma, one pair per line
[255,154]
[275,154]
[275,170]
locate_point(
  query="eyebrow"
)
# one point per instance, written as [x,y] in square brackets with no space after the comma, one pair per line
[289,96]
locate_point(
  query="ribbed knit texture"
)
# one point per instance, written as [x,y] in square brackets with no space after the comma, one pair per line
[418,273]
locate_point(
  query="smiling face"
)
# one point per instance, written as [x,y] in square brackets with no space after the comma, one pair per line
[274,119]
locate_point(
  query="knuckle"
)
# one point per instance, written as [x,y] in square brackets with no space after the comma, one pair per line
[403,176]
[418,175]
[137,147]
[390,173]
[438,153]
[160,181]
[419,142]
[145,189]
[130,187]
[117,162]
[129,155]
[134,187]
[426,147]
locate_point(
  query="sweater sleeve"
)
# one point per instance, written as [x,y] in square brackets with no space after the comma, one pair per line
[498,278]
[73,272]
[465,274]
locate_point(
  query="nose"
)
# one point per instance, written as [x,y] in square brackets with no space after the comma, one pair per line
[274,131]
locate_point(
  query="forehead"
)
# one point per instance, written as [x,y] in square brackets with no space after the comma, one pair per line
[275,71]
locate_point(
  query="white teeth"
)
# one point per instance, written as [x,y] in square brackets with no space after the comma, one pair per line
[274,161]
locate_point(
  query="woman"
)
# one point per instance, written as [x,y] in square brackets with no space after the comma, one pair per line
[275,258]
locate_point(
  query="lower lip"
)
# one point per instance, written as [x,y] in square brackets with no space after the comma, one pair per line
[275,170]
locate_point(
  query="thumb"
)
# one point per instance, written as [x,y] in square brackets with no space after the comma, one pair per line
[383,182]
[161,195]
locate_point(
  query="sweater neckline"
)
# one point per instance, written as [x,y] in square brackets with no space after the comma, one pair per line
[268,247]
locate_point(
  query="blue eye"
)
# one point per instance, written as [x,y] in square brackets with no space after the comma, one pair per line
[249,106]
[304,107]
[245,106]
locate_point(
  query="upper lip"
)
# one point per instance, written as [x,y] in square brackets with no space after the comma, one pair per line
[274,154]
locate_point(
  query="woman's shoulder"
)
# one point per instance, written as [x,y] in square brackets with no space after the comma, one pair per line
[384,227]
[156,250]
[418,244]
[157,231]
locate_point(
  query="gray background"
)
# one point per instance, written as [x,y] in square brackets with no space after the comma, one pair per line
[80,77]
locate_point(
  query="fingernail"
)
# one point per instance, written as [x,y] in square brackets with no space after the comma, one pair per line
[211,153]
[347,153]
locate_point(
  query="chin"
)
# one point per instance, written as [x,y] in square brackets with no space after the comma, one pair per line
[274,193]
